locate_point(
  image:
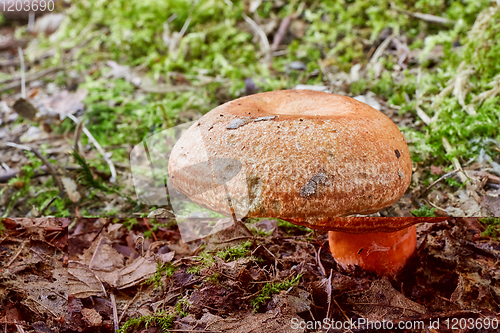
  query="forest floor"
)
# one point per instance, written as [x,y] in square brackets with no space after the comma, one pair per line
[272,276]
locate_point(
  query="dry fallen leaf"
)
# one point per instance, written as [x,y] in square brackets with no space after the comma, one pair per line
[82,282]
[382,301]
[65,102]
[71,189]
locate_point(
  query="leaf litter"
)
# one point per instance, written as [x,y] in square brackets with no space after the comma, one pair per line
[270,280]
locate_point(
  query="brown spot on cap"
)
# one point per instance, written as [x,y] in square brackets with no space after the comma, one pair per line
[310,188]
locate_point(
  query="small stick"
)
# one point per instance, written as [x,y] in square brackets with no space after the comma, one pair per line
[381,48]
[149,228]
[425,17]
[448,175]
[23,76]
[318,255]
[278,37]
[183,330]
[47,205]
[462,175]
[99,148]
[78,134]
[319,243]
[29,78]
[425,118]
[16,255]
[45,161]
[128,305]
[329,293]
[266,48]
[233,239]
[115,311]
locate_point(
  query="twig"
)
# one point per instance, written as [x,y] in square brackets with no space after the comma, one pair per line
[9,174]
[8,62]
[329,293]
[264,43]
[15,62]
[42,171]
[447,146]
[319,243]
[380,50]
[385,305]
[128,305]
[29,78]
[149,228]
[184,330]
[233,239]
[334,300]
[425,17]
[78,134]
[265,248]
[425,118]
[435,206]
[251,295]
[448,175]
[187,285]
[16,255]
[318,259]
[45,161]
[47,205]
[278,37]
[99,148]
[115,311]
[23,76]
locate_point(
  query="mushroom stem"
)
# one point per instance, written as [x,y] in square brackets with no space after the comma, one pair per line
[380,252]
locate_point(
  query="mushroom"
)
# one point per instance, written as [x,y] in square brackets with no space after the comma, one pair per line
[310,158]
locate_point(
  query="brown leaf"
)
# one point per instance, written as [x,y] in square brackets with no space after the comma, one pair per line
[12,314]
[382,301]
[91,317]
[65,103]
[106,258]
[71,189]
[491,203]
[255,323]
[82,282]
[25,109]
[436,170]
[135,273]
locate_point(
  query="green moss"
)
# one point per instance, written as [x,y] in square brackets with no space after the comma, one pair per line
[2,227]
[270,289]
[182,306]
[23,180]
[260,232]
[290,227]
[161,319]
[129,223]
[235,252]
[424,211]
[214,278]
[163,270]
[492,227]
[205,260]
